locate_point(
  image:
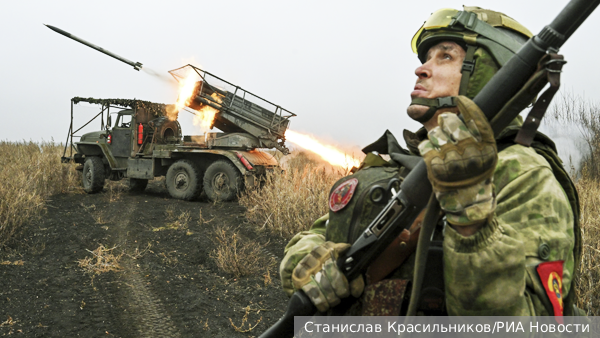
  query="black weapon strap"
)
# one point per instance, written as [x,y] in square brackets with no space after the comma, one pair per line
[429,222]
[552,69]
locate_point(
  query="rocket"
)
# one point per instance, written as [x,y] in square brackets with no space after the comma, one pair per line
[135,65]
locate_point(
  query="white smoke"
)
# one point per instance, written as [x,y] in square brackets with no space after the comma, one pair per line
[166,77]
[569,141]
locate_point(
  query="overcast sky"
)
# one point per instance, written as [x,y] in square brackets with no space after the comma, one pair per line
[344,67]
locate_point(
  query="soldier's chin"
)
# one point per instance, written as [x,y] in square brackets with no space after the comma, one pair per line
[416,111]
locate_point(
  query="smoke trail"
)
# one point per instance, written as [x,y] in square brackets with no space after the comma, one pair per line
[163,77]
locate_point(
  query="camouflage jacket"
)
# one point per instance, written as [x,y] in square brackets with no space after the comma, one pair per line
[494,271]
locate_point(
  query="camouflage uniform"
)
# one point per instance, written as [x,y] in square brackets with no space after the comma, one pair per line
[529,206]
[493,271]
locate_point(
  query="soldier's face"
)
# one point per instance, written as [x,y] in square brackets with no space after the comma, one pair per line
[439,76]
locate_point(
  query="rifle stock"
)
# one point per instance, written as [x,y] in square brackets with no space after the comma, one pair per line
[416,189]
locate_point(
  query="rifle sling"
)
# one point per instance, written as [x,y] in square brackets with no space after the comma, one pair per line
[524,97]
[552,70]
[429,222]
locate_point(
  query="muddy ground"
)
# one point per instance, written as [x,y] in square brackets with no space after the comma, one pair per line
[167,284]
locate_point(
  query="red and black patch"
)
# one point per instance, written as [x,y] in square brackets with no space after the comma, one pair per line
[342,195]
[551,277]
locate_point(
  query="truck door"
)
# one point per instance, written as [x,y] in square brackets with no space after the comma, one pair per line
[121,136]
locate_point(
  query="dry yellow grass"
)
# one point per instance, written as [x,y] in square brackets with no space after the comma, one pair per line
[236,256]
[102,260]
[588,287]
[175,220]
[29,174]
[250,327]
[290,201]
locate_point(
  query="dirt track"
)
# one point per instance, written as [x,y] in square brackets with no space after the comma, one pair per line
[168,286]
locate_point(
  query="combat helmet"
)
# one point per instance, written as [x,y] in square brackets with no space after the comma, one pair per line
[489,38]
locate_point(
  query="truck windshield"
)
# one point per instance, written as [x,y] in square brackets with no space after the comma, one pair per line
[123,121]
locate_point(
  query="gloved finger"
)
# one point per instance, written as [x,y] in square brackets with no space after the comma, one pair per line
[309,265]
[321,252]
[471,112]
[357,286]
[337,280]
[472,126]
[327,288]
[438,137]
[337,248]
[302,272]
[313,262]
[425,147]
[313,291]
[452,126]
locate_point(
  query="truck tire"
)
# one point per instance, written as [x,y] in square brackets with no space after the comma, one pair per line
[137,184]
[222,181]
[93,175]
[184,180]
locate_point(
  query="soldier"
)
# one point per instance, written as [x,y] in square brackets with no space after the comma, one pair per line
[511,216]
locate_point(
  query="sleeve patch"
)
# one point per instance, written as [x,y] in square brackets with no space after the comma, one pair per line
[342,195]
[551,277]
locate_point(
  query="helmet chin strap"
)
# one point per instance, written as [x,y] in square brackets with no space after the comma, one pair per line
[448,101]
[434,105]
[468,67]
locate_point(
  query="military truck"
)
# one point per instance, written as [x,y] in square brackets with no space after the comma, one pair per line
[145,141]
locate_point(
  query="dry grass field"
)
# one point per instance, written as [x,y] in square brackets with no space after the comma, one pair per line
[291,200]
[287,203]
[29,174]
[588,287]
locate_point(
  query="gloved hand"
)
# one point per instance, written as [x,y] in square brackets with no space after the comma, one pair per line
[323,282]
[461,159]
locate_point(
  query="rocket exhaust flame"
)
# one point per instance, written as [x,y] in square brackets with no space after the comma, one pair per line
[195,96]
[187,88]
[204,115]
[327,152]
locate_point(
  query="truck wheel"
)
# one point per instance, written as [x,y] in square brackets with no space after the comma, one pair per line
[93,175]
[184,180]
[222,181]
[137,184]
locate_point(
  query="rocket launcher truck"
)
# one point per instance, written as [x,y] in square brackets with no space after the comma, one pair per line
[145,142]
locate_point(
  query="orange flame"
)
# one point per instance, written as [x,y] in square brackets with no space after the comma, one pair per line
[327,152]
[204,117]
[186,90]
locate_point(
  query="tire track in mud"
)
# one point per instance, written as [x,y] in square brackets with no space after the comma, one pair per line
[142,307]
[146,309]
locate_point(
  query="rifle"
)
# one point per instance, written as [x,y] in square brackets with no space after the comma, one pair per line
[415,190]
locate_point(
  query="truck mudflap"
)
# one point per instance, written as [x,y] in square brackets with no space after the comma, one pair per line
[258,157]
[258,162]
